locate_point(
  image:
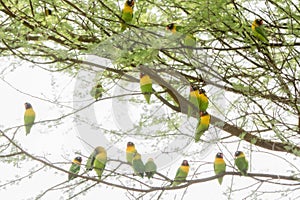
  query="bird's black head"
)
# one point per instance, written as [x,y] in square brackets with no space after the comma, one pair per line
[130,144]
[202,113]
[79,159]
[193,88]
[237,153]
[170,26]
[98,85]
[259,22]
[185,163]
[27,105]
[202,91]
[219,155]
[130,3]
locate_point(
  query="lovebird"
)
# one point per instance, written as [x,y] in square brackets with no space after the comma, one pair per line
[146,86]
[75,167]
[189,40]
[181,173]
[138,165]
[202,126]
[198,98]
[130,152]
[150,168]
[97,91]
[258,30]
[97,161]
[194,98]
[29,117]
[127,14]
[47,11]
[241,162]
[203,103]
[219,166]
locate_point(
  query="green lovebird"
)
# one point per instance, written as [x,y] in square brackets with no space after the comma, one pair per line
[198,98]
[138,165]
[203,100]
[97,161]
[219,166]
[203,125]
[130,152]
[127,13]
[181,173]
[75,167]
[150,168]
[47,11]
[258,30]
[189,40]
[29,117]
[241,162]
[146,86]
[97,91]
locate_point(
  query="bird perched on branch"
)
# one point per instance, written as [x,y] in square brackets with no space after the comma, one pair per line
[146,86]
[219,166]
[97,161]
[150,168]
[203,125]
[181,173]
[138,165]
[29,117]
[75,167]
[130,152]
[97,91]
[258,30]
[127,14]
[189,40]
[241,162]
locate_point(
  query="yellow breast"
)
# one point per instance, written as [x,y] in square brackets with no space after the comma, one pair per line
[219,161]
[30,112]
[205,119]
[130,149]
[185,168]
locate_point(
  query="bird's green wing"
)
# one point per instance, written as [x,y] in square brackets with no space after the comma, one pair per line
[90,163]
[220,168]
[260,34]
[29,118]
[74,169]
[180,177]
[150,169]
[138,167]
[99,164]
[201,128]
[242,165]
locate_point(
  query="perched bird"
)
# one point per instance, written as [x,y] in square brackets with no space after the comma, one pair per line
[203,125]
[130,152]
[47,11]
[97,161]
[138,165]
[146,86]
[219,166]
[241,162]
[194,98]
[150,168]
[127,14]
[29,117]
[181,173]
[203,100]
[97,91]
[258,30]
[198,98]
[75,167]
[189,40]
